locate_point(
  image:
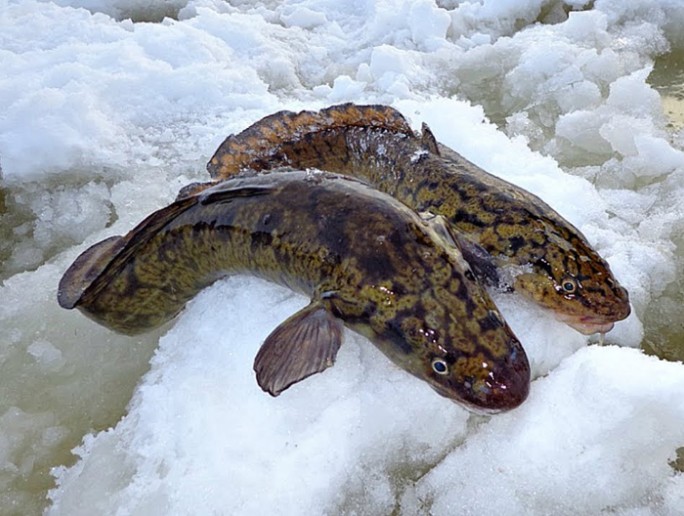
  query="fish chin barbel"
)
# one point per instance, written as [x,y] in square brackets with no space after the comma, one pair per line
[367,262]
[501,228]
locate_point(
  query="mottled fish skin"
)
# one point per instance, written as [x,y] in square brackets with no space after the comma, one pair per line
[364,258]
[556,266]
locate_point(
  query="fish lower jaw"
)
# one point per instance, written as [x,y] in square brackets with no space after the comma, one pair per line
[587,325]
[503,400]
[480,411]
[467,405]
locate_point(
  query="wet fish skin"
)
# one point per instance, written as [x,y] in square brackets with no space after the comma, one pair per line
[561,271]
[365,259]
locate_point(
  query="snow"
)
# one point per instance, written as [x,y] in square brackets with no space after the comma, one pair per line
[565,448]
[110,106]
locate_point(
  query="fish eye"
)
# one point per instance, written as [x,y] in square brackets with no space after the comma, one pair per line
[569,285]
[440,366]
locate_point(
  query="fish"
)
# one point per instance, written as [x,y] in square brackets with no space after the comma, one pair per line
[512,238]
[366,261]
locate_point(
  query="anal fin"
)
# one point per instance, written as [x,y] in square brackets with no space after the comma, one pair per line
[305,344]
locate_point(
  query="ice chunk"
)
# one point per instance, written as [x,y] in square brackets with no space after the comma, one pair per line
[46,354]
[303,17]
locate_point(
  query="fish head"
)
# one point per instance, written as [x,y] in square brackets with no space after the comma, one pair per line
[477,363]
[576,284]
[423,307]
[480,384]
[463,349]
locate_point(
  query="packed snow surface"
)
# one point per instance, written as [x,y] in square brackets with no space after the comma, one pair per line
[109,107]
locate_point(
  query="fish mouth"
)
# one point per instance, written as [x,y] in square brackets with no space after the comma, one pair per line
[587,325]
[476,407]
[504,391]
[497,396]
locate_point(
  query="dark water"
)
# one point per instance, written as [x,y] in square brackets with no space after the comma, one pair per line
[664,320]
[668,78]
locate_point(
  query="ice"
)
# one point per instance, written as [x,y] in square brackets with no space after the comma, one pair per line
[303,17]
[106,115]
[138,10]
[47,355]
[344,89]
[428,25]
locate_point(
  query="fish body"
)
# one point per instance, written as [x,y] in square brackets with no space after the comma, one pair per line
[503,229]
[366,260]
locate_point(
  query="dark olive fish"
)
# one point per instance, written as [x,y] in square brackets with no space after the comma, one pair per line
[366,260]
[508,235]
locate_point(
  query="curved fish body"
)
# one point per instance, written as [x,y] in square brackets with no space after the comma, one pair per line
[366,260]
[509,236]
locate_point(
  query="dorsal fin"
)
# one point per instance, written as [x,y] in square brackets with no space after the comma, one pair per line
[476,257]
[428,140]
[480,261]
[261,142]
[194,189]
[226,193]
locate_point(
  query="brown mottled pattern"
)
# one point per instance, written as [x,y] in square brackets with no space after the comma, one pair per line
[369,260]
[515,227]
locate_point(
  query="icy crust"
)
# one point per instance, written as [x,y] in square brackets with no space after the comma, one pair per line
[54,387]
[227,57]
[97,100]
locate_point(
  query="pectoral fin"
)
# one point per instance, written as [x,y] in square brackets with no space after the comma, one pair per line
[479,259]
[305,344]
